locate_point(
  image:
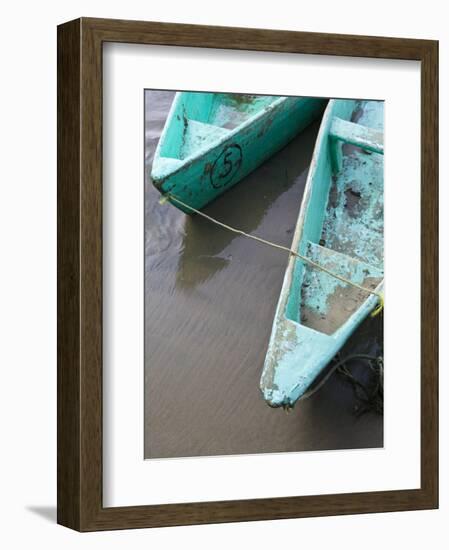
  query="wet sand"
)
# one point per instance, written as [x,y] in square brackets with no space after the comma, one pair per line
[210,298]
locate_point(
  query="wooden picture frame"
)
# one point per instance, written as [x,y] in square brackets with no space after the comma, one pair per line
[80,504]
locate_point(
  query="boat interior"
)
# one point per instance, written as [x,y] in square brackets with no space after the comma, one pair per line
[342,228]
[205,117]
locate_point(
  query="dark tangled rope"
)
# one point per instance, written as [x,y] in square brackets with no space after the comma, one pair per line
[369,396]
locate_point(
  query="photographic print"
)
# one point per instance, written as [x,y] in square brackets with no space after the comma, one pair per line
[264,273]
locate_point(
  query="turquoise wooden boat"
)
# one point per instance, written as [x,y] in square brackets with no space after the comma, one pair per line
[212,140]
[340,227]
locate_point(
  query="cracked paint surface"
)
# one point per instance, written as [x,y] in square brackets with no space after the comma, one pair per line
[354,218]
[327,302]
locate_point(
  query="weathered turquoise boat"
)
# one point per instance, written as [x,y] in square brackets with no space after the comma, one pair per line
[212,140]
[340,227]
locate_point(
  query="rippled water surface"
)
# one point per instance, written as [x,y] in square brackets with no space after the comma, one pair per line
[210,297]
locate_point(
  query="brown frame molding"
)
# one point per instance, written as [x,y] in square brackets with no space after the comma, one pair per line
[80,273]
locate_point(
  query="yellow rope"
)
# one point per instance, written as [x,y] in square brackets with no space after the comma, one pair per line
[379,295]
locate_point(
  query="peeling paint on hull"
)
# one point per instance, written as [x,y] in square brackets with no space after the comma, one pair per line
[340,226]
[211,140]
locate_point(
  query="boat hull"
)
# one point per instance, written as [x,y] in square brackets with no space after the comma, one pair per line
[229,154]
[340,227]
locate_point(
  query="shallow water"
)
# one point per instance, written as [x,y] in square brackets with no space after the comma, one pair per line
[210,297]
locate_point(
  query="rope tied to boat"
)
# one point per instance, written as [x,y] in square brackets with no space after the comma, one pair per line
[169,196]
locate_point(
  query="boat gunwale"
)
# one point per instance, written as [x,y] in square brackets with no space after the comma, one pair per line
[280,314]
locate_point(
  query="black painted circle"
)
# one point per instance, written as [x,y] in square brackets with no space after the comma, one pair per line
[226,166]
